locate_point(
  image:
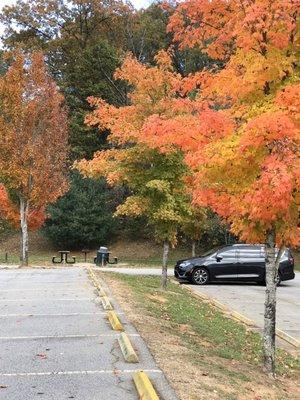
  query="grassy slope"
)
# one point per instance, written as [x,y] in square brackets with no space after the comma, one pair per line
[41,250]
[224,352]
[136,253]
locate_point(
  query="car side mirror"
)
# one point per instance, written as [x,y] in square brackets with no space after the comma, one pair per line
[219,258]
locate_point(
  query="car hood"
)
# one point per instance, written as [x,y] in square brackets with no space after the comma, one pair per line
[191,260]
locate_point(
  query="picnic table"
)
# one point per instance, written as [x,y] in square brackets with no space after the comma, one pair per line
[64,258]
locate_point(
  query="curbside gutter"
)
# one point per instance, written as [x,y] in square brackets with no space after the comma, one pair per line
[144,386]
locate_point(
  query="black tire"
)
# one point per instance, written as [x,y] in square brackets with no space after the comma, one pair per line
[278,279]
[200,276]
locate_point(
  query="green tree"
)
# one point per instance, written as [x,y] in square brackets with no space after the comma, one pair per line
[156,182]
[83,217]
[194,225]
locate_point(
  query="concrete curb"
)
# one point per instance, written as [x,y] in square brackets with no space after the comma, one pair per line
[103,297]
[106,303]
[92,275]
[95,281]
[144,386]
[128,352]
[241,318]
[290,339]
[101,291]
[114,321]
[237,316]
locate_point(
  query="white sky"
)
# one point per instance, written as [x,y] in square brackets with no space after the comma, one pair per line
[137,3]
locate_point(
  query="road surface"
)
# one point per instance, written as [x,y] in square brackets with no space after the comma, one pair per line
[55,342]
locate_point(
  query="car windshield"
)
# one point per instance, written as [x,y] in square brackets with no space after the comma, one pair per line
[211,251]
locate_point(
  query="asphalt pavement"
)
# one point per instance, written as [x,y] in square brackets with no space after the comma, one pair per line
[56,343]
[246,298]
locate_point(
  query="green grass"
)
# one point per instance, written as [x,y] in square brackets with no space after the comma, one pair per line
[227,339]
[45,258]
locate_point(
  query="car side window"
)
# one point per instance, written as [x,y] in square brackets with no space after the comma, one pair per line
[250,253]
[227,253]
[262,252]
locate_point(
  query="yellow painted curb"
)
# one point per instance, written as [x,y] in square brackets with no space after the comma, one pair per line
[127,349]
[101,291]
[219,305]
[92,275]
[201,295]
[144,386]
[241,318]
[106,303]
[290,339]
[114,321]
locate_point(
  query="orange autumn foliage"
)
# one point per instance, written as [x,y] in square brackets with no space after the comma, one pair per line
[33,143]
[238,126]
[11,213]
[242,135]
[33,132]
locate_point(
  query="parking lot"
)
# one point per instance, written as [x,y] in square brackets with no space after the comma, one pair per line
[56,343]
[248,299]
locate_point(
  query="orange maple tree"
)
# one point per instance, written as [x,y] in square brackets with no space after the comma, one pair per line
[240,133]
[237,123]
[156,180]
[11,213]
[33,143]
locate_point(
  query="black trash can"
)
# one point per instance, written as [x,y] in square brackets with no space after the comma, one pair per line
[102,256]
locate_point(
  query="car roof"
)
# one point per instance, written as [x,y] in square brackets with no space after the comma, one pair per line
[246,245]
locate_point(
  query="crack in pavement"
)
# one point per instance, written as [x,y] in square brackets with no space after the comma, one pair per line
[114,351]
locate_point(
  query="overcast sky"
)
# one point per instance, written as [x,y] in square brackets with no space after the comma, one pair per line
[137,3]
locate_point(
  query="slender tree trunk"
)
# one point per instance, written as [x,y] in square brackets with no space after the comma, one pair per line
[164,276]
[24,207]
[270,305]
[193,248]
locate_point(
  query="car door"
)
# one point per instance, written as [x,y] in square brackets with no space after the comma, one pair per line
[251,263]
[224,265]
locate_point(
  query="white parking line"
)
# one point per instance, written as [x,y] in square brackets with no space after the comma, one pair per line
[74,281]
[53,315]
[37,289]
[100,371]
[37,299]
[65,336]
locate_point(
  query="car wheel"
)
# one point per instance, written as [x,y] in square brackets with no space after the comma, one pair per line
[278,279]
[200,276]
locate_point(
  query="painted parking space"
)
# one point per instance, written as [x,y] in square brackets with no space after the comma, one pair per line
[56,342]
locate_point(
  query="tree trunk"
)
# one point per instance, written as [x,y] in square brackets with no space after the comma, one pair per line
[164,276]
[24,207]
[270,305]
[193,248]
